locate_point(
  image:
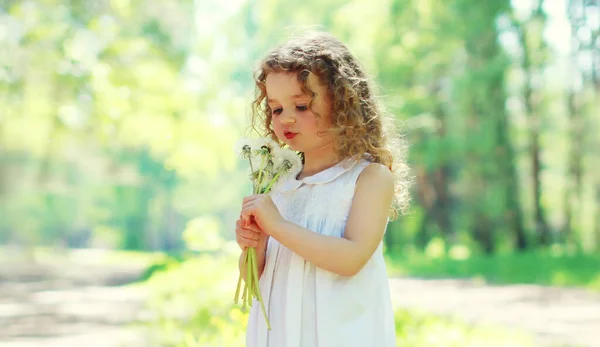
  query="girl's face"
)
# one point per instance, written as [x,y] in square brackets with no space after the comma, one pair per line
[293,122]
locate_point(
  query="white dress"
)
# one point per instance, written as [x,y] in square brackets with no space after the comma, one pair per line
[309,306]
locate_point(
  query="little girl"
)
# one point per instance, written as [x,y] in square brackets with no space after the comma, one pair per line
[319,235]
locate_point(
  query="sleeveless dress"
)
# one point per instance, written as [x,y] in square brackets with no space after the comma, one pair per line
[309,306]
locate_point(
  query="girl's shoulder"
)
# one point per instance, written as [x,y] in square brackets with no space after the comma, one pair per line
[345,171]
[357,166]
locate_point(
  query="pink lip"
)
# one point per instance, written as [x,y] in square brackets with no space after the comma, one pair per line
[289,135]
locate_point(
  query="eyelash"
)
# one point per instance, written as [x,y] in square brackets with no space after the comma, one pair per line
[300,108]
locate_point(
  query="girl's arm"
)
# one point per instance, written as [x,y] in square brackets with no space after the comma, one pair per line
[364,229]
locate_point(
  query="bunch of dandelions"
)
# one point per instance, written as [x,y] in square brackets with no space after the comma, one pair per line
[269,163]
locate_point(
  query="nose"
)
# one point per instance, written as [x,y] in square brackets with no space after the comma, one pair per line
[287,118]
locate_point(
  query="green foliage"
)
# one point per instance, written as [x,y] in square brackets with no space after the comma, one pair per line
[203,234]
[554,267]
[192,306]
[415,329]
[193,302]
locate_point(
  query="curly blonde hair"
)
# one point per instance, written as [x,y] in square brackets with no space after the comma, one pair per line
[359,123]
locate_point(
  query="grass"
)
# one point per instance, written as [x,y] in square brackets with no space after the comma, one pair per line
[416,329]
[192,305]
[539,267]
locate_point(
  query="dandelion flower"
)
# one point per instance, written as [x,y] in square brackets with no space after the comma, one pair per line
[243,148]
[287,162]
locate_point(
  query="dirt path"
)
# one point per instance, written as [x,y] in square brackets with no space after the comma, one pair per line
[64,304]
[556,316]
[82,303]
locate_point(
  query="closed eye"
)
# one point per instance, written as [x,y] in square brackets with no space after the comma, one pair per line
[300,108]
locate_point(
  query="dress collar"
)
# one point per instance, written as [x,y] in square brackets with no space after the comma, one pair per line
[321,177]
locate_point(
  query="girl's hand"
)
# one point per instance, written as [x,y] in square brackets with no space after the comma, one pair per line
[261,209]
[249,236]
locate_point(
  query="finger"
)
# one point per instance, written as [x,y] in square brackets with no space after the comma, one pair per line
[246,204]
[246,239]
[248,243]
[243,219]
[248,198]
[241,223]
[249,234]
[253,227]
[241,229]
[239,226]
[247,214]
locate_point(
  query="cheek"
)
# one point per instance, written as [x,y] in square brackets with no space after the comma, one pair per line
[324,121]
[277,128]
[321,123]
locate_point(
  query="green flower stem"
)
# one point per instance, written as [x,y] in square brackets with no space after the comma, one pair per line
[258,295]
[252,171]
[244,297]
[249,277]
[268,188]
[239,283]
[260,173]
[252,285]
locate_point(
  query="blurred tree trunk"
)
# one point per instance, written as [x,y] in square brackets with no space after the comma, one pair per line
[534,50]
[419,78]
[433,188]
[49,161]
[574,177]
[597,221]
[43,175]
[3,149]
[506,153]
[573,184]
[5,232]
[426,197]
[492,196]
[441,175]
[595,49]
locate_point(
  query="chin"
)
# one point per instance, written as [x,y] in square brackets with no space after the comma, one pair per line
[295,148]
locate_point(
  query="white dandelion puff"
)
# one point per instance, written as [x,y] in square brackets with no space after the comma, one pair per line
[288,163]
[264,142]
[264,146]
[243,148]
[269,162]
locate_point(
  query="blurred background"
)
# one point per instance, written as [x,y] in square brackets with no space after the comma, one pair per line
[119,186]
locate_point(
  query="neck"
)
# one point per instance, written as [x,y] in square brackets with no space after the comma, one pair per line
[317,161]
